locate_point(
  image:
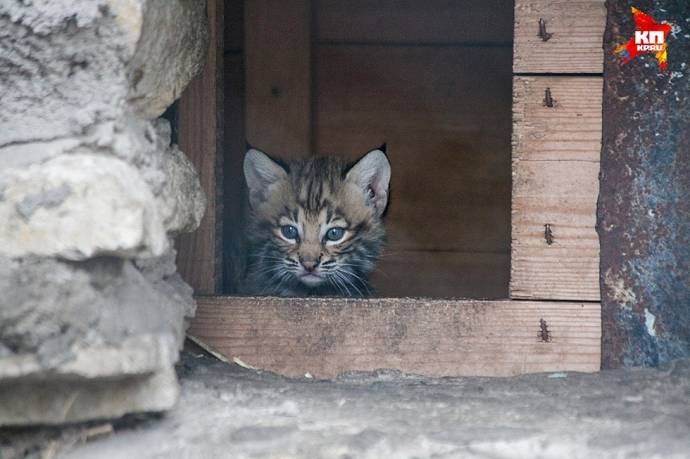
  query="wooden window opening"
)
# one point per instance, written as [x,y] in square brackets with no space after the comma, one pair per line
[433,79]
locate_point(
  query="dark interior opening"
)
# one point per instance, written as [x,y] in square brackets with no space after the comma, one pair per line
[432,79]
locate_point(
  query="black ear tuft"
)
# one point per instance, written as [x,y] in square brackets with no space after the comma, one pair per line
[383,147]
[248,146]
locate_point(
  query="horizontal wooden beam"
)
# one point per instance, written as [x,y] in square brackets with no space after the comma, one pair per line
[325,337]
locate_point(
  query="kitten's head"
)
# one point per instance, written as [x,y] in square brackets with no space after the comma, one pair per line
[315,224]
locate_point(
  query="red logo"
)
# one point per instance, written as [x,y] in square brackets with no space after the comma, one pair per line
[650,37]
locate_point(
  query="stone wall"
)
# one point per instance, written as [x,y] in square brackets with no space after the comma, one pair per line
[92,311]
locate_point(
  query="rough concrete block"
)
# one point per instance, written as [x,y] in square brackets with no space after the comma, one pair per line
[92,311]
[77,206]
[37,402]
[181,199]
[91,339]
[169,51]
[136,355]
[54,309]
[120,190]
[72,64]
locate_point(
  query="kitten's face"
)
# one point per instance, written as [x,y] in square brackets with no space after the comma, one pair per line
[316,224]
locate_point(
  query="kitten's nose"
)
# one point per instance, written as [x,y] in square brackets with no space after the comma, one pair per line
[310,265]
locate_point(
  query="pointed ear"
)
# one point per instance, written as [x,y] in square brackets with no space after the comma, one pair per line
[261,174]
[372,174]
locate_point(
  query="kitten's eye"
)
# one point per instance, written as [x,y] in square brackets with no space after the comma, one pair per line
[335,234]
[289,232]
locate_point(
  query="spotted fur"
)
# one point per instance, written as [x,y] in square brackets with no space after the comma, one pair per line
[307,199]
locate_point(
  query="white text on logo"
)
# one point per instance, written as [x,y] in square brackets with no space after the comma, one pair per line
[649,40]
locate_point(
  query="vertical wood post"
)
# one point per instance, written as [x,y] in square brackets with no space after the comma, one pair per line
[200,135]
[556,144]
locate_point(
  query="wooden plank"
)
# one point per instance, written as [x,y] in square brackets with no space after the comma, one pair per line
[278,76]
[448,135]
[575,44]
[415,22]
[442,274]
[570,130]
[200,137]
[563,195]
[326,336]
[555,182]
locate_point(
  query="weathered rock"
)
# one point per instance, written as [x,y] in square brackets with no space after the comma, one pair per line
[169,52]
[118,190]
[167,171]
[138,355]
[181,199]
[55,309]
[104,332]
[35,402]
[162,273]
[77,206]
[68,65]
[92,311]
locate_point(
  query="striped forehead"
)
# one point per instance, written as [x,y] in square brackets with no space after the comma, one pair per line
[315,187]
[323,214]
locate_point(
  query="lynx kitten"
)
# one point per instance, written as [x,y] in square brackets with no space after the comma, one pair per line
[315,226]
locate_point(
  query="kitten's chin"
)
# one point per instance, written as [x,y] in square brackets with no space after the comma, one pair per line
[311,280]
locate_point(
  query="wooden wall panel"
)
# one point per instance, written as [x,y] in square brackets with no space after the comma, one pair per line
[448,136]
[414,21]
[555,183]
[325,337]
[278,76]
[200,116]
[575,43]
[442,274]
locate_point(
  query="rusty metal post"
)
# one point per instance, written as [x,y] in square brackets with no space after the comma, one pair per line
[644,203]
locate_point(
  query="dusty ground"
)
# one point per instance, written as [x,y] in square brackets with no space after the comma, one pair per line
[228,411]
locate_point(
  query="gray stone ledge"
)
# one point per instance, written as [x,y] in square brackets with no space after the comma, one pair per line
[61,402]
[136,355]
